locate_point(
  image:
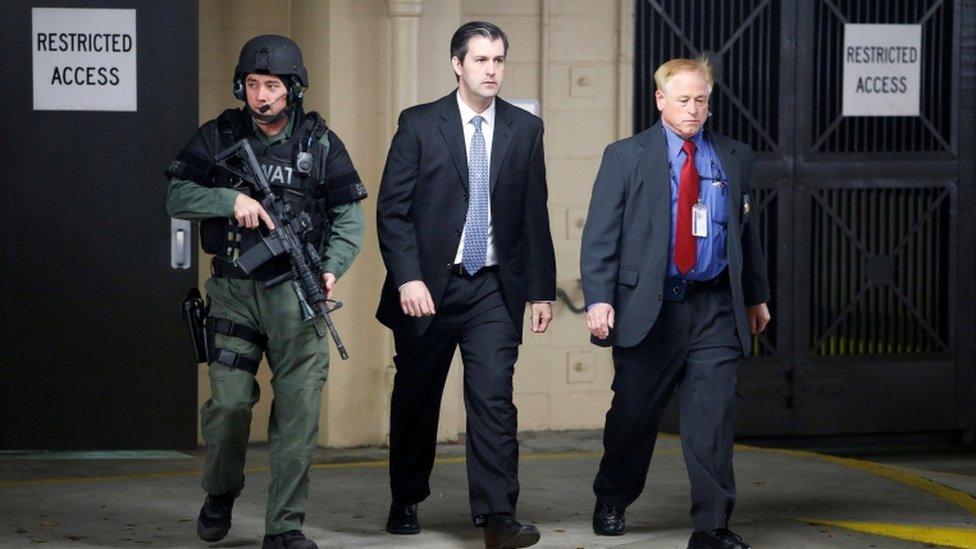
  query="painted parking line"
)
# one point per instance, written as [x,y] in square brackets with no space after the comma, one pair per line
[903,476]
[361,464]
[963,538]
[923,533]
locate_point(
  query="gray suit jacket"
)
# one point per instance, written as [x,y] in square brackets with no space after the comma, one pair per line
[627,236]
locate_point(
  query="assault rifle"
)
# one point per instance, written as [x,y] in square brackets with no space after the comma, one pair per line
[285,238]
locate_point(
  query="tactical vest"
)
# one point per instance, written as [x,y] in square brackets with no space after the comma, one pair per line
[223,237]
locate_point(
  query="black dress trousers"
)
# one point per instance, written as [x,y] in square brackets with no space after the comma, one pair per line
[471,315]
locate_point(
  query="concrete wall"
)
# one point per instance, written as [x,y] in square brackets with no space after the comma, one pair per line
[367,59]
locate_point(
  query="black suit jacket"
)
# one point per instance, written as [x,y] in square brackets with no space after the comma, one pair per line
[627,237]
[423,202]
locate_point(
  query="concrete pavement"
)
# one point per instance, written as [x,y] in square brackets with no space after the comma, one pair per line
[787,498]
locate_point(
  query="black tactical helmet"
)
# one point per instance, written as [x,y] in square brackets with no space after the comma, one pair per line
[272,54]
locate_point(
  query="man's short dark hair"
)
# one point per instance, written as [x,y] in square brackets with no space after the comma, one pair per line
[467,31]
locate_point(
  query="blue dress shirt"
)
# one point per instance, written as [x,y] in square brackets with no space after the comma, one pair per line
[711,258]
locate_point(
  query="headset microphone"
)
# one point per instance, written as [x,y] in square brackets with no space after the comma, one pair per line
[267,107]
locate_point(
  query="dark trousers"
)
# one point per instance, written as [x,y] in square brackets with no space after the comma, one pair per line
[472,315]
[692,347]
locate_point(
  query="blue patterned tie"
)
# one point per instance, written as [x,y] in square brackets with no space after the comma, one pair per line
[476,223]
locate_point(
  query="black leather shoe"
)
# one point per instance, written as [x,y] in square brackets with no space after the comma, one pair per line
[503,531]
[402,519]
[293,539]
[608,520]
[721,538]
[213,523]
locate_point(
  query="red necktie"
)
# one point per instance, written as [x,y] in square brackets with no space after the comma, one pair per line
[684,242]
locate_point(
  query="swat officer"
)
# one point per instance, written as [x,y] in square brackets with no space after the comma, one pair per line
[308,166]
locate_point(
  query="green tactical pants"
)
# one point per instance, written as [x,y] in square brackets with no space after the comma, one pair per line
[299,364]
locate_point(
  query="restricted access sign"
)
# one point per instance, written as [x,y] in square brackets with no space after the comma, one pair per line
[882,70]
[84,59]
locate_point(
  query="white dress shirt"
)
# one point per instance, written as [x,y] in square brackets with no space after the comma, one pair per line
[487,129]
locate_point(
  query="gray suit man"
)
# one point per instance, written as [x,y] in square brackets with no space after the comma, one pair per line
[676,286]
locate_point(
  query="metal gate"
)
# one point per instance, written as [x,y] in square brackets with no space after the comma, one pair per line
[866,221]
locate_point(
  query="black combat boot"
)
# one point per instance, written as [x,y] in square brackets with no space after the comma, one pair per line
[214,520]
[293,539]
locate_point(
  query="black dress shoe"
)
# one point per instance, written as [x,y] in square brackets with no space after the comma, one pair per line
[608,520]
[293,539]
[502,531]
[402,519]
[213,523]
[721,538]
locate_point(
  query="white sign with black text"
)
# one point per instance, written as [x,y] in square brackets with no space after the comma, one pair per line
[84,59]
[882,70]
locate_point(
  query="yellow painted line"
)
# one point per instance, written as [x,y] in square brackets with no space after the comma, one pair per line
[958,497]
[945,537]
[932,535]
[376,463]
[111,478]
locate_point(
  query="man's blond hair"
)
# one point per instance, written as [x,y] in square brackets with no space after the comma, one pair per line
[666,72]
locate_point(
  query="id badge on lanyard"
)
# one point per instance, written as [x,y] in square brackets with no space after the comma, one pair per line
[699,220]
[699,212]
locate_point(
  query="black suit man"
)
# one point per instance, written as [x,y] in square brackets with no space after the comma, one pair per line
[676,287]
[464,232]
